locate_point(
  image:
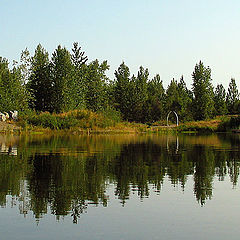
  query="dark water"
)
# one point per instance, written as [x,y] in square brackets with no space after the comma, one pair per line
[120,187]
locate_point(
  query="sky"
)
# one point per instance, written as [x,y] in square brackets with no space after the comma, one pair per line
[169,37]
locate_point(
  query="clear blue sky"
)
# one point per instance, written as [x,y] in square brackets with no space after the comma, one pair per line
[166,36]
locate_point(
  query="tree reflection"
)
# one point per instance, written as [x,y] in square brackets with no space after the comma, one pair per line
[66,174]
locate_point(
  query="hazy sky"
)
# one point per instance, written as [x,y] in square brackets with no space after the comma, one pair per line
[166,36]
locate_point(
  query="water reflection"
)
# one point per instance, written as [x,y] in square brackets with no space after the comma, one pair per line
[64,175]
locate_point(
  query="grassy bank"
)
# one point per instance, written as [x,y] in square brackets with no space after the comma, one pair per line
[85,121]
[78,121]
[219,124]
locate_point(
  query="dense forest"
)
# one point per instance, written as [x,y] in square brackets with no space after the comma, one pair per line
[66,81]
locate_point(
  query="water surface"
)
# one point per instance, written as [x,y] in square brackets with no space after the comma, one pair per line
[120,187]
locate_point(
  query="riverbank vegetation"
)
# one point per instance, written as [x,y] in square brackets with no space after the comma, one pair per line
[65,91]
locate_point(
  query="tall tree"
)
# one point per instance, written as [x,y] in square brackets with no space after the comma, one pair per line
[62,79]
[79,83]
[25,65]
[13,94]
[156,98]
[122,90]
[220,100]
[203,104]
[40,82]
[233,97]
[185,101]
[96,86]
[141,95]
[172,97]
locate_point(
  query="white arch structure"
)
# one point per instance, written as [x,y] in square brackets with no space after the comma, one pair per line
[175,115]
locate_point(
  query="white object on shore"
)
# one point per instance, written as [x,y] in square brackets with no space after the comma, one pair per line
[15,115]
[2,117]
[6,115]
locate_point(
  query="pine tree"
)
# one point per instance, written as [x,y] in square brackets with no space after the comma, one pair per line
[40,82]
[141,95]
[203,104]
[156,97]
[185,101]
[61,73]
[172,97]
[78,57]
[79,74]
[232,98]
[96,86]
[13,94]
[220,100]
[122,90]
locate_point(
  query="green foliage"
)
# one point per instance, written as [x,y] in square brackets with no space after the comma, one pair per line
[185,101]
[233,98]
[172,97]
[156,98]
[61,74]
[111,113]
[229,124]
[179,99]
[220,100]
[13,93]
[40,82]
[78,118]
[66,82]
[203,104]
[96,86]
[140,95]
[79,74]
[131,94]
[122,90]
[196,128]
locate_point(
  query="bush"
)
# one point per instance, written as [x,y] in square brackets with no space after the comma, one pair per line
[229,124]
[77,118]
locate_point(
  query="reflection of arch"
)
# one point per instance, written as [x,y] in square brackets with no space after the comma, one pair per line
[177,144]
[175,115]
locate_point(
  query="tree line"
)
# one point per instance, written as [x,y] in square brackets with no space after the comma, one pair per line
[66,81]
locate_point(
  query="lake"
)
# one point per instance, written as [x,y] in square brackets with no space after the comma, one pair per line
[120,187]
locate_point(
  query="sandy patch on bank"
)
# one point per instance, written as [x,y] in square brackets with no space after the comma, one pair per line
[8,125]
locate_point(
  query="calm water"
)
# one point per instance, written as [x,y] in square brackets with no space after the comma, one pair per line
[120,187]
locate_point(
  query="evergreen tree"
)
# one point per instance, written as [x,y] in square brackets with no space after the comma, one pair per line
[156,97]
[79,76]
[25,65]
[78,57]
[220,100]
[61,70]
[185,101]
[172,97]
[141,95]
[40,82]
[122,90]
[96,86]
[203,104]
[13,94]
[233,98]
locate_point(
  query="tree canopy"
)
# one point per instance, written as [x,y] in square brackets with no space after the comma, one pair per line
[65,80]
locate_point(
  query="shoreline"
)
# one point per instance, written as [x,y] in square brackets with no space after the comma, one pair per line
[131,128]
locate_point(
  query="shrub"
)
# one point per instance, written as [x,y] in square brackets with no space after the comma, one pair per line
[76,118]
[228,124]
